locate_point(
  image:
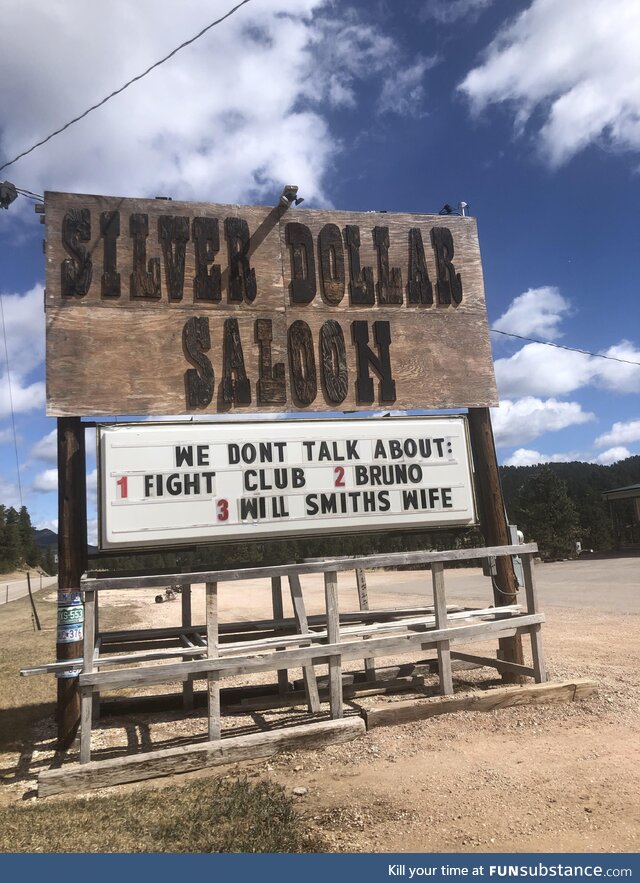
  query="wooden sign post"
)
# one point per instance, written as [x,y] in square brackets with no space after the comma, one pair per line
[72,562]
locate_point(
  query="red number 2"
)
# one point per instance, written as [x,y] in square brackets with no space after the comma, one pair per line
[339,474]
[122,484]
[223,509]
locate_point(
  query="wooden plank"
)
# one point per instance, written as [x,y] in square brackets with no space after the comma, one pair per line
[333,634]
[278,614]
[443,647]
[176,671]
[368,562]
[537,651]
[74,778]
[86,695]
[308,671]
[185,604]
[124,276]
[503,697]
[491,662]
[213,677]
[363,600]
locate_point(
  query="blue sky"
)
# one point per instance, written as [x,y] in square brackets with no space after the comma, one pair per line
[528,110]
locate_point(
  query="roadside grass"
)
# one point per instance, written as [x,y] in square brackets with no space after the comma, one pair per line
[207,815]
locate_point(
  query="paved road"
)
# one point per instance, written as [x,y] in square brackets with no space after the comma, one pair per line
[608,584]
[9,591]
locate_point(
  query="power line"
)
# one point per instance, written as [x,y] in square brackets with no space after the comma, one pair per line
[126,85]
[13,418]
[561,346]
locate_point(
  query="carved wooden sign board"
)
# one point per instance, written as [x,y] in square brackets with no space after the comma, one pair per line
[157,307]
[183,483]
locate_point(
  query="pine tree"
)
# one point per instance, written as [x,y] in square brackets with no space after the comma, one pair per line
[547,516]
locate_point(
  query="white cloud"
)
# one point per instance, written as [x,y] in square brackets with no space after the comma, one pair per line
[570,68]
[403,90]
[612,455]
[24,328]
[448,11]
[540,370]
[46,481]
[536,313]
[9,492]
[619,377]
[526,457]
[620,433]
[230,118]
[46,448]
[47,524]
[517,422]
[6,436]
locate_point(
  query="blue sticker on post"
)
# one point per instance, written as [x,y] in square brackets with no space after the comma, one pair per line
[68,634]
[66,599]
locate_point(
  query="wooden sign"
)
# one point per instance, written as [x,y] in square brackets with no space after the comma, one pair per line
[177,484]
[159,307]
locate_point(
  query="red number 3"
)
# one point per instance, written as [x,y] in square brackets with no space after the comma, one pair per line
[223,510]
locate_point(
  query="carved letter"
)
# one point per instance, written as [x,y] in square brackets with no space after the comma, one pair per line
[389,285]
[361,288]
[303,266]
[335,373]
[110,230]
[331,257]
[242,278]
[302,362]
[198,381]
[419,288]
[173,233]
[381,364]
[76,271]
[234,389]
[145,281]
[271,383]
[206,238]
[449,284]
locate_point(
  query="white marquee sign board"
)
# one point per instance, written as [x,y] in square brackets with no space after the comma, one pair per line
[185,483]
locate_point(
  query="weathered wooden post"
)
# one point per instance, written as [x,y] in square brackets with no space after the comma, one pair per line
[72,560]
[493,521]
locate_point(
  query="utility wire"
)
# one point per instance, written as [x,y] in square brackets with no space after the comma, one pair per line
[126,85]
[13,418]
[561,346]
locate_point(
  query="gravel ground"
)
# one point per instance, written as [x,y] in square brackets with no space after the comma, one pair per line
[538,778]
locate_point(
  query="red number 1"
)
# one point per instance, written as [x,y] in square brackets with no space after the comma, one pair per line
[122,484]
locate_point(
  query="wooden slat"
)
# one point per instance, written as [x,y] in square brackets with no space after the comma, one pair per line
[363,600]
[393,559]
[278,614]
[74,778]
[308,671]
[86,695]
[185,604]
[490,662]
[333,634]
[176,671]
[537,651]
[213,677]
[443,647]
[503,697]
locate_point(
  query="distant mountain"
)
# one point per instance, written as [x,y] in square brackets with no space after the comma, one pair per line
[46,539]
